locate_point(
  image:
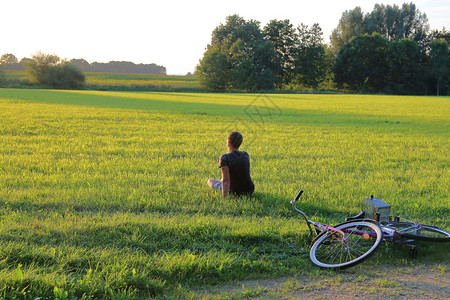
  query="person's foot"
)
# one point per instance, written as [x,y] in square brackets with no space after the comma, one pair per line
[211,182]
[215,184]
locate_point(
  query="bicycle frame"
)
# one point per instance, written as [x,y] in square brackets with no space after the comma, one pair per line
[319,226]
[392,235]
[327,228]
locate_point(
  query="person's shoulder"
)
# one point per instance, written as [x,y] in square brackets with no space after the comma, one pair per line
[225,155]
[242,156]
[223,159]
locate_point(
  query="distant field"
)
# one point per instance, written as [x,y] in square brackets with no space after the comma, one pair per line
[103,194]
[105,80]
[15,74]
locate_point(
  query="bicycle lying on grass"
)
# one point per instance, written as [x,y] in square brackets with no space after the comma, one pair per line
[349,243]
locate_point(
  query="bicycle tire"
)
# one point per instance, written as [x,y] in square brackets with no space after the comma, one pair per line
[420,232]
[329,250]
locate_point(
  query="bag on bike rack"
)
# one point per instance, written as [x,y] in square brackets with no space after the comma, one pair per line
[376,209]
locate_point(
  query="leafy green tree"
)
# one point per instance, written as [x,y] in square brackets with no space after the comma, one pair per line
[49,69]
[383,19]
[25,60]
[226,34]
[284,38]
[405,68]
[438,65]
[265,67]
[213,70]
[392,22]
[395,23]
[350,24]
[251,62]
[361,65]
[37,68]
[328,81]
[443,34]
[310,61]
[8,58]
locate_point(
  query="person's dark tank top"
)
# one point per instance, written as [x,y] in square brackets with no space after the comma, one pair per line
[238,162]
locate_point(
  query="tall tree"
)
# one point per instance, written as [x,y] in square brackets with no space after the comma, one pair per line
[395,23]
[361,65]
[392,22]
[439,65]
[405,68]
[443,34]
[350,24]
[226,34]
[384,20]
[213,70]
[284,38]
[310,61]
[251,60]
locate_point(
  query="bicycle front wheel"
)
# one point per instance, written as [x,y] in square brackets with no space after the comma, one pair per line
[331,250]
[420,232]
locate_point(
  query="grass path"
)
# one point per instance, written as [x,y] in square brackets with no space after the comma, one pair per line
[416,281]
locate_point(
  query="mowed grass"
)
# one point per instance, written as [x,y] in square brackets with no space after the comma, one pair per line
[103,194]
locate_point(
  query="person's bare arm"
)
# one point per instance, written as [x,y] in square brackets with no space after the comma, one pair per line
[225,181]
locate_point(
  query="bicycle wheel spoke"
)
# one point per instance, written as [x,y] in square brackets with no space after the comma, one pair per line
[332,251]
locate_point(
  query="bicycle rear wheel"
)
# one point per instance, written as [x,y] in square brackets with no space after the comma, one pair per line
[331,250]
[420,232]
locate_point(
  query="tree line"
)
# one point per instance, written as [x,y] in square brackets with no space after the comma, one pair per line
[10,62]
[388,50]
[119,67]
[52,71]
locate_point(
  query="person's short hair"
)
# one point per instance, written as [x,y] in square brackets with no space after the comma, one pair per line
[235,139]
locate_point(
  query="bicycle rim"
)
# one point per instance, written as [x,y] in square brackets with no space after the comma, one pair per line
[331,251]
[420,232]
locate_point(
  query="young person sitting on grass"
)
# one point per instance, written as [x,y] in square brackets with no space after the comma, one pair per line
[235,166]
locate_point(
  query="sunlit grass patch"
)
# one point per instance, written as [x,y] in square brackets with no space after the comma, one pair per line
[109,188]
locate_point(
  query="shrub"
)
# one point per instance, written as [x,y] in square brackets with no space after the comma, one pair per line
[65,76]
[52,71]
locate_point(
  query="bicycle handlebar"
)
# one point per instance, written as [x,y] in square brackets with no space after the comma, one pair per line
[308,222]
[296,197]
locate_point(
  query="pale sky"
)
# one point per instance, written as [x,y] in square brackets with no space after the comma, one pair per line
[171,33]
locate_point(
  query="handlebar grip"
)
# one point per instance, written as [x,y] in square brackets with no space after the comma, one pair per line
[296,197]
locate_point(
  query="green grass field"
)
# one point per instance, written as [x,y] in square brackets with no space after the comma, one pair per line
[103,194]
